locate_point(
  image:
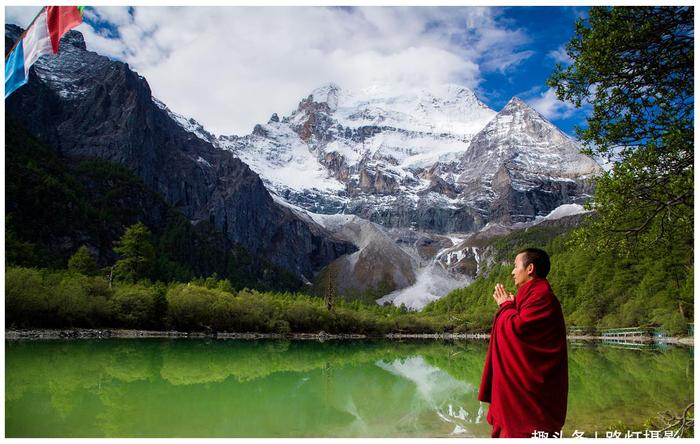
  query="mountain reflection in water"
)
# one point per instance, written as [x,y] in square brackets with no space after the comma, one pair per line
[266,388]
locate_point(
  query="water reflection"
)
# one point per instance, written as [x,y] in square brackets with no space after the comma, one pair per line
[438,392]
[193,388]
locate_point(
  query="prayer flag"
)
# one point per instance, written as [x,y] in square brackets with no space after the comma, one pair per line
[42,37]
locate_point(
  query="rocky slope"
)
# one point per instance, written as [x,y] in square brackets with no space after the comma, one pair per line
[435,159]
[435,168]
[58,204]
[84,104]
[520,166]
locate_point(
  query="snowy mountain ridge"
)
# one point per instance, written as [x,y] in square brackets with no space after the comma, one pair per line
[443,109]
[406,176]
[433,158]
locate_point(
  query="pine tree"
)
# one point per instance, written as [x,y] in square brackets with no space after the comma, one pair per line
[634,65]
[329,296]
[138,254]
[82,262]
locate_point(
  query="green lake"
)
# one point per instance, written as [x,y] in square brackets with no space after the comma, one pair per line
[273,388]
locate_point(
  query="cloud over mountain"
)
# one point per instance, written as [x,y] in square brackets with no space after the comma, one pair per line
[240,64]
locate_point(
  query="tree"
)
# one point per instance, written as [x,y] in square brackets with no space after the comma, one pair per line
[82,262]
[138,254]
[634,65]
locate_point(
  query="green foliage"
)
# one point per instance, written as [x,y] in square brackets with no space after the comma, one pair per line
[207,307]
[138,254]
[25,298]
[506,245]
[605,289]
[135,306]
[634,65]
[41,200]
[82,262]
[191,307]
[42,298]
[17,251]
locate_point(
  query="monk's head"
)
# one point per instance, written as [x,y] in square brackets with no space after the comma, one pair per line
[530,263]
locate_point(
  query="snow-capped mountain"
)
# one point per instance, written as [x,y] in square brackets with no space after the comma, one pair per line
[435,167]
[434,159]
[446,109]
[414,171]
[85,105]
[521,166]
[339,145]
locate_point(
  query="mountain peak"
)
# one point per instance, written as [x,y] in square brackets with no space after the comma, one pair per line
[320,94]
[72,37]
[516,103]
[439,109]
[518,110]
[385,91]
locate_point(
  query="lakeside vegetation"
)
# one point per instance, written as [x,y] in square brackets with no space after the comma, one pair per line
[597,289]
[66,299]
[600,290]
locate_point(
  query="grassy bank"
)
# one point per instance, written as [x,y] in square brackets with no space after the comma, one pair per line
[42,298]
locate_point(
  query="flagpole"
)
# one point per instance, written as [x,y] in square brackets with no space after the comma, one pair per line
[25,31]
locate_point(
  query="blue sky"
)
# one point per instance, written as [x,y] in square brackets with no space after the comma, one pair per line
[549,28]
[232,67]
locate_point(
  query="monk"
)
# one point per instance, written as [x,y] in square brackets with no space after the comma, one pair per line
[525,378]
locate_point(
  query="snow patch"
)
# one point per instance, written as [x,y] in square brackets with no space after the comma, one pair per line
[283,159]
[565,210]
[203,161]
[432,283]
[189,125]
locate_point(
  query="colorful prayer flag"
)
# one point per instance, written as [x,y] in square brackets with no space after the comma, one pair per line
[42,37]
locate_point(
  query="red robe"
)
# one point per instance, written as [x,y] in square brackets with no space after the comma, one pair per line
[526,373]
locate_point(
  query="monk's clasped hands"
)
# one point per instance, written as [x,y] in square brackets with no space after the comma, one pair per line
[501,295]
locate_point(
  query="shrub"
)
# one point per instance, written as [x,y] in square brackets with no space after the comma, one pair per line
[191,307]
[26,301]
[134,306]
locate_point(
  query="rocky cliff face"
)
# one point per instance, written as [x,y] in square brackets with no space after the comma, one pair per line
[521,166]
[378,267]
[86,105]
[436,160]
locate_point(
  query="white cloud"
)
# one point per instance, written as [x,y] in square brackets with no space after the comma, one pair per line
[21,15]
[116,15]
[559,55]
[497,46]
[507,60]
[547,104]
[232,67]
[100,43]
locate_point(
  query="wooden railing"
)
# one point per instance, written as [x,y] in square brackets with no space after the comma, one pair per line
[623,332]
[627,332]
[583,331]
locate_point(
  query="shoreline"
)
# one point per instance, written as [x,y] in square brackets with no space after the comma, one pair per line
[107,333]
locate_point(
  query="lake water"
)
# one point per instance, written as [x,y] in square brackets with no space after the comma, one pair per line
[272,388]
